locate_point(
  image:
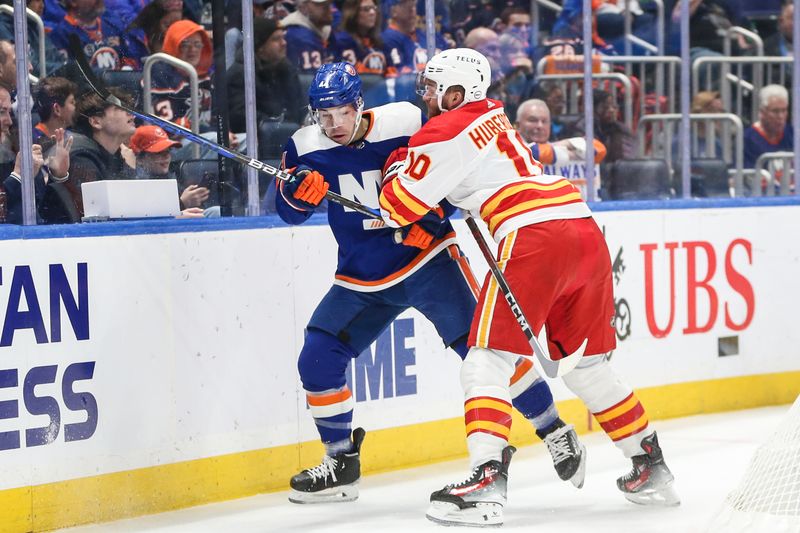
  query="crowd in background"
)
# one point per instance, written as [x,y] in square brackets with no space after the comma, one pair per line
[82,138]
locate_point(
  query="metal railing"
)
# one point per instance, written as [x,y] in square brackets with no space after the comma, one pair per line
[194,85]
[666,132]
[778,167]
[761,75]
[664,85]
[631,39]
[573,82]
[40,29]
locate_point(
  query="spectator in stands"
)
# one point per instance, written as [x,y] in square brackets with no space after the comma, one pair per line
[404,44]
[50,170]
[307,32]
[233,32]
[172,98]
[8,64]
[101,37]
[487,42]
[516,21]
[703,102]
[471,14]
[360,43]
[567,33]
[53,58]
[708,21]
[617,137]
[780,43]
[279,98]
[50,167]
[7,146]
[125,11]
[553,95]
[153,150]
[517,69]
[53,14]
[54,98]
[101,129]
[772,132]
[145,34]
[533,124]
[441,20]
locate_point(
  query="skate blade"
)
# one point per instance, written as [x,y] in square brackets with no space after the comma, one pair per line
[666,497]
[346,493]
[482,515]
[580,475]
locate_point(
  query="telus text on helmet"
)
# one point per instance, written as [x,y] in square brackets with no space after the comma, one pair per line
[468,59]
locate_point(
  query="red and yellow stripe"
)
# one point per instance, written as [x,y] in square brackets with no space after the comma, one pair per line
[624,419]
[485,414]
[330,403]
[490,296]
[402,207]
[517,198]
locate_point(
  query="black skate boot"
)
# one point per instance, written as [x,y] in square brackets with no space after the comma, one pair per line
[477,501]
[650,481]
[334,480]
[569,455]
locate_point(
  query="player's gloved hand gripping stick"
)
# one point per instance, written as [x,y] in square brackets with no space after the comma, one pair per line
[76,51]
[551,368]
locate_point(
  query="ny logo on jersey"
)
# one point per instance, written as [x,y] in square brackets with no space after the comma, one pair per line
[364,190]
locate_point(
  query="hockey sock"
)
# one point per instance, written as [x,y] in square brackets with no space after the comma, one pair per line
[626,423]
[487,416]
[340,446]
[531,396]
[323,365]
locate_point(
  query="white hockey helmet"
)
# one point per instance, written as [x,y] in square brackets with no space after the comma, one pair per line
[460,66]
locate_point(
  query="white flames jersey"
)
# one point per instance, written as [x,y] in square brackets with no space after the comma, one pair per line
[475,159]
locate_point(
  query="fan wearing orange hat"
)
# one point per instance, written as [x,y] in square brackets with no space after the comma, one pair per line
[152,147]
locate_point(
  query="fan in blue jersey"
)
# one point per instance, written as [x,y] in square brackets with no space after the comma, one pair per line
[404,44]
[377,277]
[100,36]
[307,32]
[359,41]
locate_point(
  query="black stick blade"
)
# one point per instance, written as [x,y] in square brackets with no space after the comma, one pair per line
[76,51]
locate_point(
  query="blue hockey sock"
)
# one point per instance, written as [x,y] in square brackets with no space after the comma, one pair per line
[536,404]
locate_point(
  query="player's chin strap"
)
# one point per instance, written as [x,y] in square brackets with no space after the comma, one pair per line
[359,113]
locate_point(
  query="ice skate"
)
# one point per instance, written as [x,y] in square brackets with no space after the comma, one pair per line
[569,455]
[477,501]
[334,480]
[650,481]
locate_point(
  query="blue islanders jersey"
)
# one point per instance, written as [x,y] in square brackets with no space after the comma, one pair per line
[361,53]
[369,259]
[305,48]
[408,53]
[102,42]
[757,142]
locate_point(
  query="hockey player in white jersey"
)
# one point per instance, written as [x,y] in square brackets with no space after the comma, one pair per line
[377,278]
[555,259]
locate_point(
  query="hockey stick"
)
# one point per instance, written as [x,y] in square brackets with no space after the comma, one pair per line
[551,368]
[99,87]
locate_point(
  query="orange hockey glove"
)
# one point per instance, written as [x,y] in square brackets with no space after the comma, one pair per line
[421,233]
[307,189]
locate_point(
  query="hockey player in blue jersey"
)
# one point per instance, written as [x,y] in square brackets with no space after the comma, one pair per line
[377,278]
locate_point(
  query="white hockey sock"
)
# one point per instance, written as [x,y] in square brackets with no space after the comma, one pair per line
[340,446]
